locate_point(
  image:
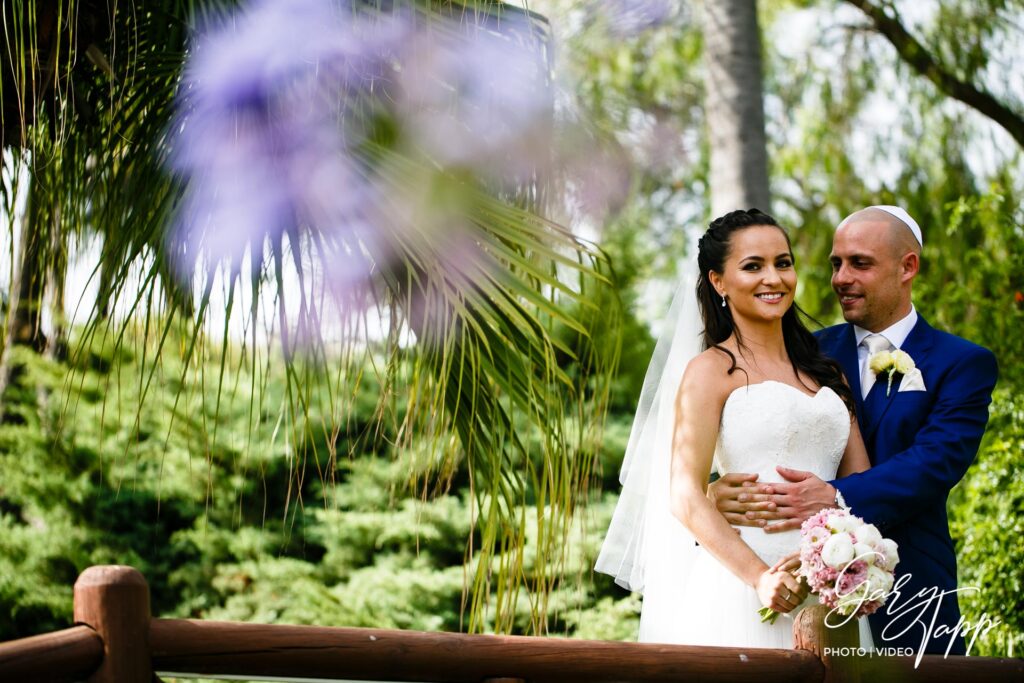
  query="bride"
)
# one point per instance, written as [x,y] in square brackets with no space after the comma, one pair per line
[752,394]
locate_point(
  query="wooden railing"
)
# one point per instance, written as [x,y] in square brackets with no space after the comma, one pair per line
[117,641]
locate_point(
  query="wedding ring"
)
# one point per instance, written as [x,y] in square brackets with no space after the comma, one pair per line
[787,595]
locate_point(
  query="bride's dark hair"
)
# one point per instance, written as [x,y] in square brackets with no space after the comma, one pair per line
[801,345]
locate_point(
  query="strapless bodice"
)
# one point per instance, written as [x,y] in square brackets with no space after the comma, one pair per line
[772,423]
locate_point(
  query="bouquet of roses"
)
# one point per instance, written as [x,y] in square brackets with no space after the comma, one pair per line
[846,562]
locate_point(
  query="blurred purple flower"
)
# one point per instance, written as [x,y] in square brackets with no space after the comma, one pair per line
[477,99]
[600,180]
[257,137]
[277,137]
[630,17]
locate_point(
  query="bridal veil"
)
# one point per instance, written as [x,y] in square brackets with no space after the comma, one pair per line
[646,546]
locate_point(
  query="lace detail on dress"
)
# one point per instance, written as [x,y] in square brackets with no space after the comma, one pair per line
[772,423]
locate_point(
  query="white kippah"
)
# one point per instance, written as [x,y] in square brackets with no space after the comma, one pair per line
[903,216]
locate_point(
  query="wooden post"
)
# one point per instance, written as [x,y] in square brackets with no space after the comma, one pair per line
[114,601]
[837,647]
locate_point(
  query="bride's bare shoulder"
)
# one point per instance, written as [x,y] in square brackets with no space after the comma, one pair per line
[707,377]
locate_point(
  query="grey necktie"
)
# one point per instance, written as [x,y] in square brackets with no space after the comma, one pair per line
[874,343]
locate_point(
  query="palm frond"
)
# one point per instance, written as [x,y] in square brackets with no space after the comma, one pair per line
[471,282]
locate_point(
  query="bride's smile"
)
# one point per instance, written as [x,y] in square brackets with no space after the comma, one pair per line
[758,279]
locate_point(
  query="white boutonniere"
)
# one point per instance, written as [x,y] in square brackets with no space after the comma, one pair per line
[892,363]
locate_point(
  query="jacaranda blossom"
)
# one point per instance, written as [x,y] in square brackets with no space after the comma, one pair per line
[319,129]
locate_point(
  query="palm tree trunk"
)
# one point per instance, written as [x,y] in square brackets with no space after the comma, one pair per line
[24,328]
[30,280]
[733,106]
[57,344]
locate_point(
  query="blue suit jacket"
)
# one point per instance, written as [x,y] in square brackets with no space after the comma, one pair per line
[921,444]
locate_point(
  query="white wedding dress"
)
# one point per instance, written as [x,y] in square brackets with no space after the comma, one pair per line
[763,425]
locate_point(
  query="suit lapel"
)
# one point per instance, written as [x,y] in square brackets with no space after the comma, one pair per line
[877,404]
[846,354]
[919,341]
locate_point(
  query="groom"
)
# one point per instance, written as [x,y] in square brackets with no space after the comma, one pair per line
[922,434]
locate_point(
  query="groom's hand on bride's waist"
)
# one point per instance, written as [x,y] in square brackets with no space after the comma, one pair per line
[741,500]
[775,507]
[802,495]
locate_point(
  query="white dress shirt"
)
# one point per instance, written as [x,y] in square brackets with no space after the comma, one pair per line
[896,333]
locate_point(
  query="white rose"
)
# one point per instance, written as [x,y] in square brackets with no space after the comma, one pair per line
[891,552]
[880,361]
[880,582]
[842,523]
[837,551]
[863,551]
[902,362]
[868,534]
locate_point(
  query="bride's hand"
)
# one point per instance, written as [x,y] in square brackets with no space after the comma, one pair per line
[741,499]
[790,563]
[780,591]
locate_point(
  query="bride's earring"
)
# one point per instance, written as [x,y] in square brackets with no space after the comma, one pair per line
[723,300]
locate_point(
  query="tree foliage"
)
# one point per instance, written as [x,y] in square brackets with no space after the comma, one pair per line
[469,277]
[304,492]
[987,514]
[207,519]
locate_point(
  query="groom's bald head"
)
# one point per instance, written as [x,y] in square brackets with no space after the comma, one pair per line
[875,257]
[899,236]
